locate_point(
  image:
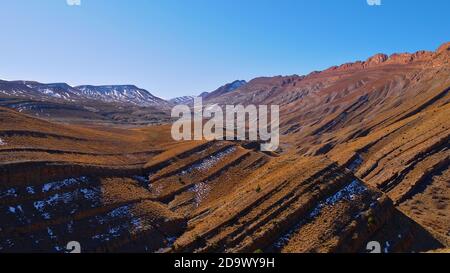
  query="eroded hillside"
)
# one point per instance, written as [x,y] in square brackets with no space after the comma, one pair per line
[364,157]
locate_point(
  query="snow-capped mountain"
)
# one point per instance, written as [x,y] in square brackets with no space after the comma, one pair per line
[185,100]
[79,95]
[120,93]
[62,92]
[55,90]
[36,90]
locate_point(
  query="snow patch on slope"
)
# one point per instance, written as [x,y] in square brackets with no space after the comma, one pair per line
[120,93]
[185,100]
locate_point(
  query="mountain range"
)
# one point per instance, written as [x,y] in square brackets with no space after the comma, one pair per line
[90,102]
[227,88]
[364,157]
[62,92]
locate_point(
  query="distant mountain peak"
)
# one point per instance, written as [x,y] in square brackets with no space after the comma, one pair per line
[396,58]
[235,85]
[444,48]
[227,88]
[184,100]
[63,92]
[120,93]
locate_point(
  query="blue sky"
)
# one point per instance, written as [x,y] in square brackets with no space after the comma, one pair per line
[186,47]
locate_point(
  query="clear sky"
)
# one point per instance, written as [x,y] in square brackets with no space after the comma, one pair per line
[185,47]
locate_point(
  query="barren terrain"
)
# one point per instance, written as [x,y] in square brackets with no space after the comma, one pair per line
[364,157]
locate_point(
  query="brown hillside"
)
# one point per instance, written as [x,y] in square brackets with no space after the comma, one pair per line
[364,157]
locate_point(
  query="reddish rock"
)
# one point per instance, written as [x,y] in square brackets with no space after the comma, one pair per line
[376,59]
[444,48]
